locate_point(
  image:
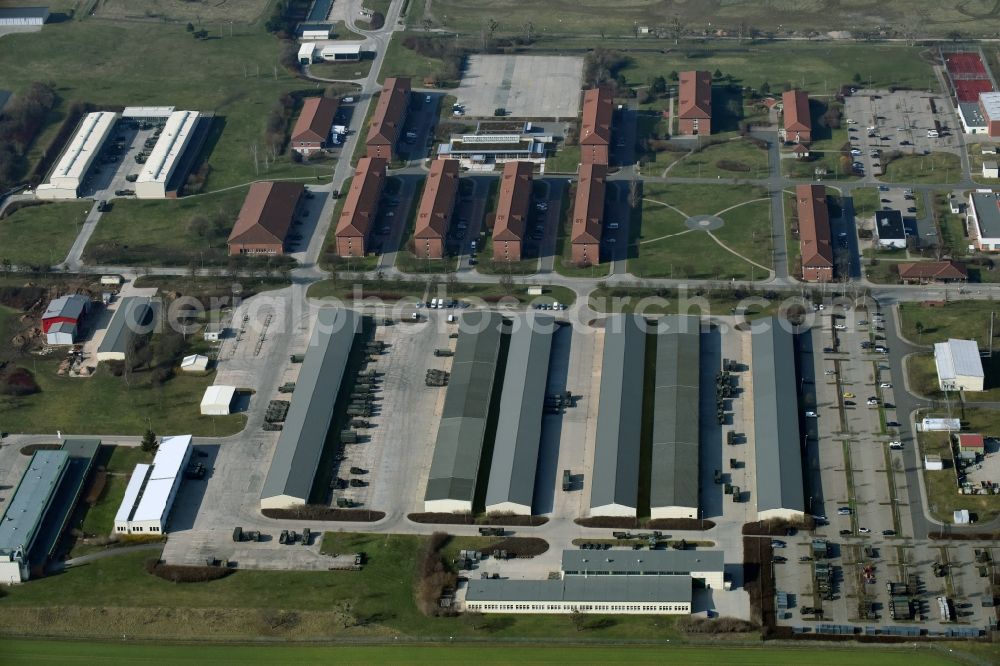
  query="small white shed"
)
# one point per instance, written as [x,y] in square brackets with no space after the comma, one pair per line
[933,463]
[961,517]
[217,400]
[194,363]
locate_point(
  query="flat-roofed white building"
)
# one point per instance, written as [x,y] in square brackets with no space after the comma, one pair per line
[341,52]
[156,172]
[152,489]
[147,112]
[71,169]
[217,400]
[959,366]
[307,53]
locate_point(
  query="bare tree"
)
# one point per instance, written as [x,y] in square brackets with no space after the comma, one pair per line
[676,28]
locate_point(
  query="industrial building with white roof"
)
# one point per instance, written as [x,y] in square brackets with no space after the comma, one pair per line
[159,167]
[71,169]
[959,365]
[152,489]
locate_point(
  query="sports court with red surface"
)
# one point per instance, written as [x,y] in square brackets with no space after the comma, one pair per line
[966,63]
[967,90]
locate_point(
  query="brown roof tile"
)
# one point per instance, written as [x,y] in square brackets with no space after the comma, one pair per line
[588,211]
[514,201]
[315,120]
[814,226]
[438,200]
[795,107]
[933,270]
[595,128]
[267,213]
[362,198]
[695,95]
[389,112]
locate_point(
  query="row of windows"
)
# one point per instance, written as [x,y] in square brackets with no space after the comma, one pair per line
[256,250]
[581,607]
[138,528]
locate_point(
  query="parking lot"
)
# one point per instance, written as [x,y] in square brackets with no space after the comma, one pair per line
[511,82]
[904,121]
[858,491]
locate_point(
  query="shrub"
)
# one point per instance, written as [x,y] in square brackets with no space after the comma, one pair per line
[377,21]
[17,382]
[176,573]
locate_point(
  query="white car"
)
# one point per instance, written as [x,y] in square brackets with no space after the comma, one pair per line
[895,445]
[855,151]
[840,327]
[864,530]
[851,121]
[811,414]
[844,511]
[829,372]
[885,385]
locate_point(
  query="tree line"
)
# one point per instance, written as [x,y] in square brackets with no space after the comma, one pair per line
[20,123]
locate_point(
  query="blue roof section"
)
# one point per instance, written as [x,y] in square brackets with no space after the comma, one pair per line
[23,518]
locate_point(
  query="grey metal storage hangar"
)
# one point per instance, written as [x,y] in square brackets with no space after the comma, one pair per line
[300,446]
[134,315]
[777,441]
[673,491]
[451,484]
[706,565]
[511,485]
[615,488]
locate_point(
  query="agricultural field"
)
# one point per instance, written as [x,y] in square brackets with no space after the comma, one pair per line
[56,652]
[979,18]
[41,235]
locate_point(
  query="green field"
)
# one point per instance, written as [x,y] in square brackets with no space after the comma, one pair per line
[933,168]
[69,404]
[55,652]
[866,201]
[942,490]
[161,233]
[667,248]
[586,17]
[41,235]
[957,319]
[566,160]
[709,161]
[401,61]
[121,63]
[341,70]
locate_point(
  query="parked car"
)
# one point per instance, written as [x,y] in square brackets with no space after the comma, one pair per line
[885,385]
[811,414]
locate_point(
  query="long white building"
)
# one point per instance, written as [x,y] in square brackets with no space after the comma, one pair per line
[156,172]
[76,160]
[150,493]
[959,365]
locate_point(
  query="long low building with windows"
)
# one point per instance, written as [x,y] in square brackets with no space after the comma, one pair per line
[71,170]
[317,392]
[615,487]
[151,491]
[673,491]
[451,484]
[37,513]
[511,485]
[627,582]
[777,441]
[177,132]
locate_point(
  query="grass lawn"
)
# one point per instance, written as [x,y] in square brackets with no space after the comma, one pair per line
[138,64]
[933,168]
[566,160]
[587,18]
[654,301]
[41,235]
[341,70]
[401,61]
[922,373]
[376,602]
[328,257]
[976,159]
[159,232]
[737,152]
[792,250]
[69,404]
[59,652]
[100,518]
[942,489]
[958,319]
[667,248]
[866,201]
[419,288]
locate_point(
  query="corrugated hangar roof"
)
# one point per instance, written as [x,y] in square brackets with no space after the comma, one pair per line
[131,316]
[519,428]
[459,443]
[619,417]
[645,562]
[674,470]
[776,420]
[300,444]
